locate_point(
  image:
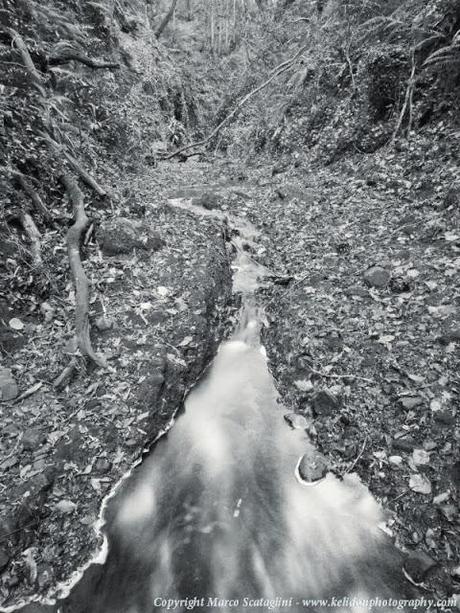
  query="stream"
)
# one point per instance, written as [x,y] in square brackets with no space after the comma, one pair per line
[217,517]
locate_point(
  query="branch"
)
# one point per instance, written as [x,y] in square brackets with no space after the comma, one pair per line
[74,234]
[76,166]
[283,67]
[82,59]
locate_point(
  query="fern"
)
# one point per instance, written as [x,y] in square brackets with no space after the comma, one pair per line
[450,54]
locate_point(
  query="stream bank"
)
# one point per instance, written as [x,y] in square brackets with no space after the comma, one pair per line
[161,299]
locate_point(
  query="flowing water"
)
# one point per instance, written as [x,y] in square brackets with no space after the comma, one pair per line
[217,518]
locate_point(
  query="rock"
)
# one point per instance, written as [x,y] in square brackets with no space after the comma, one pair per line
[32,438]
[297,422]
[406,443]
[4,559]
[8,387]
[103,323]
[208,200]
[410,402]
[445,417]
[396,460]
[325,403]
[102,465]
[417,565]
[121,236]
[377,276]
[64,507]
[313,467]
[420,457]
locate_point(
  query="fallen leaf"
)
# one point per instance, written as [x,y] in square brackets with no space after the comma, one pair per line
[65,506]
[16,324]
[420,484]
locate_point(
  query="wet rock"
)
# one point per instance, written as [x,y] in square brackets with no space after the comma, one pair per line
[208,201]
[8,386]
[312,467]
[377,277]
[297,422]
[102,465]
[4,559]
[121,236]
[325,403]
[32,438]
[418,565]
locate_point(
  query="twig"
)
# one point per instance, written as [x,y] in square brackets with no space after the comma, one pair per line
[333,376]
[28,189]
[358,457]
[29,392]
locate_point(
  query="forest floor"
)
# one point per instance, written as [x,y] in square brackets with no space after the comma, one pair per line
[160,300]
[363,341]
[364,329]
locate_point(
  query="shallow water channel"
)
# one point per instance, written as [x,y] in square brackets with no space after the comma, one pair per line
[217,517]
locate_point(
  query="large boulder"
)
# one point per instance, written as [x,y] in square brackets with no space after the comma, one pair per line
[120,236]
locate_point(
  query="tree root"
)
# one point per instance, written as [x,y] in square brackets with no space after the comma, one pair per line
[36,78]
[283,67]
[57,60]
[75,165]
[79,278]
[35,238]
[35,198]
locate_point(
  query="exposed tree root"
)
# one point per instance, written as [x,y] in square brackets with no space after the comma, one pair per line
[36,78]
[73,56]
[75,165]
[35,198]
[66,374]
[80,281]
[35,238]
[280,69]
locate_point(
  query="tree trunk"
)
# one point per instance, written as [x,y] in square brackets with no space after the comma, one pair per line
[166,19]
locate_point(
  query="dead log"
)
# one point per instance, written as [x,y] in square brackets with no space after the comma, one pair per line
[75,165]
[74,235]
[280,69]
[35,238]
[65,58]
[33,195]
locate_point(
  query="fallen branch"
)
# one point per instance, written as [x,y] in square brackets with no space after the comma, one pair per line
[280,69]
[29,191]
[74,234]
[20,45]
[408,102]
[57,60]
[35,238]
[75,165]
